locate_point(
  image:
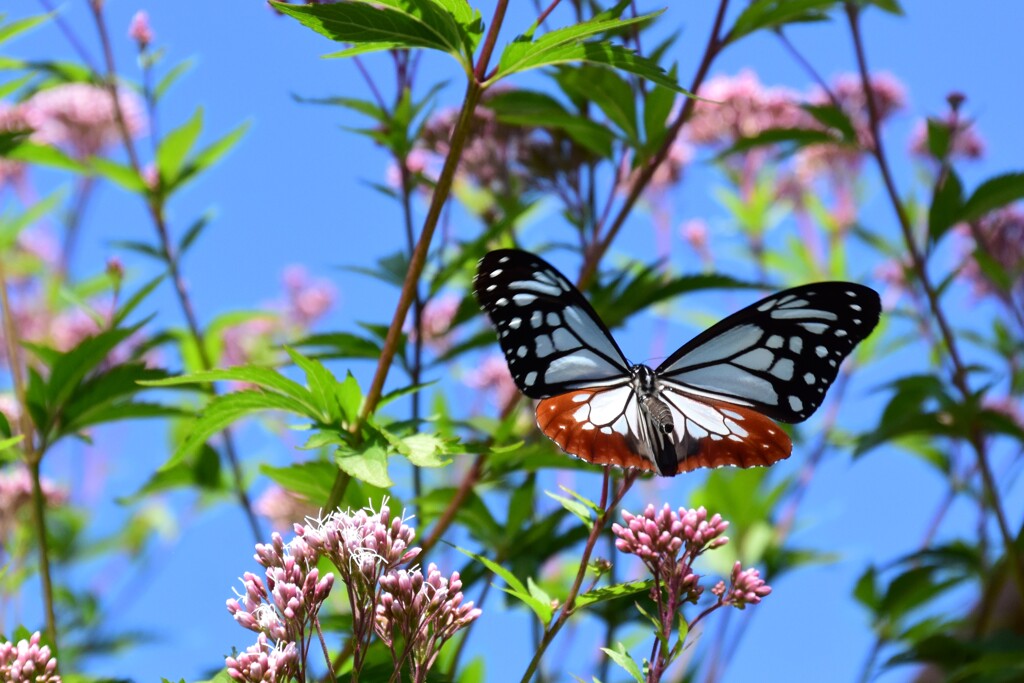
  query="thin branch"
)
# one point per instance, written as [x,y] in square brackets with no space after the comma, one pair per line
[711,50]
[156,210]
[976,437]
[33,456]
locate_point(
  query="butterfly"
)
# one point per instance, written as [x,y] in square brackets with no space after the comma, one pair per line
[709,404]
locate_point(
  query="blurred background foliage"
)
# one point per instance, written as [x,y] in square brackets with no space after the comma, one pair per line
[574,141]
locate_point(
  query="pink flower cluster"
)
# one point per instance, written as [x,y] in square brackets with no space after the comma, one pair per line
[493,377]
[16,493]
[282,507]
[368,548]
[747,588]
[668,542]
[255,340]
[437,319]
[140,30]
[27,662]
[421,612]
[1000,235]
[81,117]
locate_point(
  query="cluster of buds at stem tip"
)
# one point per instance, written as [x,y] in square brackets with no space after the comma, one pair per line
[423,612]
[28,662]
[747,588]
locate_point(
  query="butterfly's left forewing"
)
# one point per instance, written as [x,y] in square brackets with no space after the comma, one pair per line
[779,355]
[553,340]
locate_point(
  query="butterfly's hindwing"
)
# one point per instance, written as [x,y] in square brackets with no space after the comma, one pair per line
[553,340]
[779,355]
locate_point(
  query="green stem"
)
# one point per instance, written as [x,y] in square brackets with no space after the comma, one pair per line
[155,205]
[463,128]
[607,508]
[976,437]
[33,456]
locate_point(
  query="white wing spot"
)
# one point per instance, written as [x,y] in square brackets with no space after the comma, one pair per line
[504,333]
[809,377]
[503,259]
[758,359]
[530,378]
[796,344]
[733,437]
[491,288]
[796,303]
[535,286]
[766,305]
[524,299]
[840,333]
[774,342]
[821,351]
[536,319]
[831,362]
[791,313]
[501,302]
[788,298]
[554,320]
[856,321]
[783,369]
[735,428]
[724,345]
[731,413]
[796,404]
[853,294]
[522,351]
[606,430]
[496,272]
[855,307]
[514,323]
[578,398]
[814,328]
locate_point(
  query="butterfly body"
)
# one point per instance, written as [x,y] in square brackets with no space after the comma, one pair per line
[711,403]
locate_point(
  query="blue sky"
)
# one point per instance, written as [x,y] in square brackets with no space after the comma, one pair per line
[294,192]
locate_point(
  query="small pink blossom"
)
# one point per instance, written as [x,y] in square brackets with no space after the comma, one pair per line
[1002,238]
[82,117]
[283,507]
[741,107]
[264,663]
[16,488]
[747,588]
[493,377]
[421,613]
[140,30]
[27,662]
[967,143]
[437,319]
[308,300]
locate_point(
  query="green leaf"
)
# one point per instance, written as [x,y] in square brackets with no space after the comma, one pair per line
[265,378]
[309,479]
[208,156]
[11,227]
[71,367]
[223,411]
[193,233]
[606,593]
[119,174]
[402,24]
[171,78]
[176,146]
[531,108]
[566,45]
[621,657]
[764,14]
[339,345]
[833,117]
[367,463]
[133,302]
[542,609]
[9,30]
[575,507]
[46,155]
[992,194]
[609,91]
[947,204]
[323,387]
[425,450]
[10,441]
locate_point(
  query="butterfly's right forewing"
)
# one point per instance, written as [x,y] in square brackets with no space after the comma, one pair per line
[553,340]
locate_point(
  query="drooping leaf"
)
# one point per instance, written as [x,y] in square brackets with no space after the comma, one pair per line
[606,593]
[367,462]
[622,657]
[310,479]
[772,14]
[993,194]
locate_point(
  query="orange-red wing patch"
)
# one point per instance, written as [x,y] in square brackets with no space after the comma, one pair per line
[556,417]
[763,444]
